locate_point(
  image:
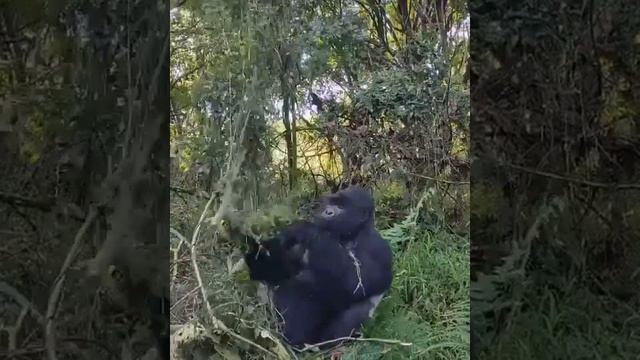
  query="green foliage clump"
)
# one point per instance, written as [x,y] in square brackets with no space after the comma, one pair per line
[268,221]
[486,201]
[389,198]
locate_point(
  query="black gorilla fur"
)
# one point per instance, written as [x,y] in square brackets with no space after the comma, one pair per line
[327,275]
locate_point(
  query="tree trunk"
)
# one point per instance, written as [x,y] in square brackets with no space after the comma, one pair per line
[289,134]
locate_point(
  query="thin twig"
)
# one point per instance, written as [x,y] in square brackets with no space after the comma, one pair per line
[23,201]
[21,300]
[230,175]
[574,180]
[177,302]
[196,269]
[52,303]
[349,338]
[356,265]
[176,253]
[436,179]
[26,307]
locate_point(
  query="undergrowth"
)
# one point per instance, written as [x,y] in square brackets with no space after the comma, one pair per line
[427,307]
[571,326]
[524,310]
[572,323]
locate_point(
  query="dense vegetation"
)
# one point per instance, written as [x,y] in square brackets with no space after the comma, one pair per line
[274,103]
[555,190]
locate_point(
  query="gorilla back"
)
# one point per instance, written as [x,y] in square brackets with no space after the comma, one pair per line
[301,291]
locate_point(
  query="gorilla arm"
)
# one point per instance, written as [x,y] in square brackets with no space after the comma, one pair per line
[265,263]
[278,259]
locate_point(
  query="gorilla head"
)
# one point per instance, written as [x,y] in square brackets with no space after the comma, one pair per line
[346,212]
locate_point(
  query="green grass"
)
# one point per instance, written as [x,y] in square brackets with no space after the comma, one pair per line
[580,325]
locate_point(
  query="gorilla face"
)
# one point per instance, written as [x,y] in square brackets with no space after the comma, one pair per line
[330,211]
[346,212]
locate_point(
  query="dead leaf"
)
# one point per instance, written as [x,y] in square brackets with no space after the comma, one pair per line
[237,267]
[273,344]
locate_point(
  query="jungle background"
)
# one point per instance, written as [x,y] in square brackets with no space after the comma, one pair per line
[274,103]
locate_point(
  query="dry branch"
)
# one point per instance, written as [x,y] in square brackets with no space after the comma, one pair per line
[54,297]
[596,184]
[18,200]
[349,338]
[231,174]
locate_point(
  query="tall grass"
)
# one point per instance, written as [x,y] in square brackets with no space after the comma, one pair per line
[576,325]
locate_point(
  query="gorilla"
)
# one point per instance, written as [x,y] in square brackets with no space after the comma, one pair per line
[327,276]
